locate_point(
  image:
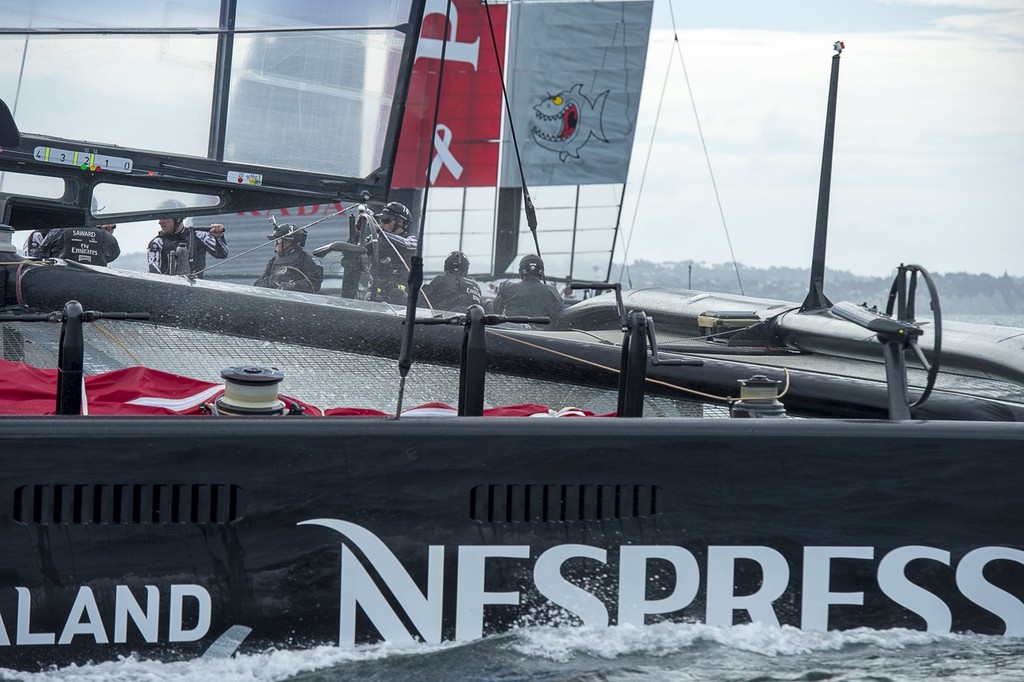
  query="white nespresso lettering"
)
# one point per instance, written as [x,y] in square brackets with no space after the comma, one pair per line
[471,597]
[722,599]
[681,585]
[972,583]
[86,619]
[547,576]
[892,579]
[633,561]
[357,586]
[817,595]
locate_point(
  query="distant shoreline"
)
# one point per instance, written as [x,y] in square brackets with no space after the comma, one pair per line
[967,297]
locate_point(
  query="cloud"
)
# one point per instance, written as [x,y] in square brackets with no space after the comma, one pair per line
[929,147]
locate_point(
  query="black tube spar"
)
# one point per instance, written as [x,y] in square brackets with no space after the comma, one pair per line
[816,299]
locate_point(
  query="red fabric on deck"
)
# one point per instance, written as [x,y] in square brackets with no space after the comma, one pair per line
[27,390]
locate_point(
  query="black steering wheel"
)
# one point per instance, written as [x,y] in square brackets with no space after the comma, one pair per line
[902,295]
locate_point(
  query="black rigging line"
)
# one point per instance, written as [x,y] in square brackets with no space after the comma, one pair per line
[703,144]
[711,172]
[632,123]
[531,212]
[677,50]
[643,177]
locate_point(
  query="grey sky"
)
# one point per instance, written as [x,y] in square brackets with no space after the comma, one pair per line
[812,15]
[929,147]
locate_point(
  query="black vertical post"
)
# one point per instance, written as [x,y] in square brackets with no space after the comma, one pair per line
[473,369]
[412,295]
[633,372]
[70,360]
[575,231]
[816,299]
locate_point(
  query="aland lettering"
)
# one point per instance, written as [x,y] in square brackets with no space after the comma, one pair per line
[85,618]
[424,610]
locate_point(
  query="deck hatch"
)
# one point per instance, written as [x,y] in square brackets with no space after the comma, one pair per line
[554,503]
[128,503]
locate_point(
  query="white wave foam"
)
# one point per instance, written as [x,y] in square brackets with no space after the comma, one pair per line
[558,645]
[561,644]
[269,666]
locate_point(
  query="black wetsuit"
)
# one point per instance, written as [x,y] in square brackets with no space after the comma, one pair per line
[162,250]
[89,245]
[449,291]
[530,297]
[390,272]
[293,271]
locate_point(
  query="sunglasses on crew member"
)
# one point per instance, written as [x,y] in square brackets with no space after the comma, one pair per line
[387,219]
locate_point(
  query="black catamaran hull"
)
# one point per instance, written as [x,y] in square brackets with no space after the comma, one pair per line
[157,535]
[375,329]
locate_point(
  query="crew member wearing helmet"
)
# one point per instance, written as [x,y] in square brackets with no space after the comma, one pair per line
[291,268]
[530,296]
[179,249]
[454,289]
[391,255]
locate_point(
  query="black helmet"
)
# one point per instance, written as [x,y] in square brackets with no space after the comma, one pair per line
[531,265]
[456,263]
[289,232]
[399,211]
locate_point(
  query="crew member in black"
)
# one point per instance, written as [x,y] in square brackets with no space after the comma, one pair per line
[390,256]
[291,269]
[89,245]
[530,296]
[177,244]
[453,290]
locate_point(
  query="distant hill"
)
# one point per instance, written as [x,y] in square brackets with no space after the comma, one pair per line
[959,293]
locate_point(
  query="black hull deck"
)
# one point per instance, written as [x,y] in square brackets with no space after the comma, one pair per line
[157,535]
[589,358]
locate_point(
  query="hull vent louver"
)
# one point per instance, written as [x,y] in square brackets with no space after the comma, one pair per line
[128,503]
[540,503]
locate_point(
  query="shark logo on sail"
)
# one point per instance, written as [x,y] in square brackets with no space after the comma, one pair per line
[565,122]
[424,609]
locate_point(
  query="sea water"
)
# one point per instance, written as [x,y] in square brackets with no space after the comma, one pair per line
[666,651]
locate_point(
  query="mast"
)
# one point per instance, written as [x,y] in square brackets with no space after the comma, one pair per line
[816,299]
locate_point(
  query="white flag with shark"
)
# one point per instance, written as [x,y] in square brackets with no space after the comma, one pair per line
[575,70]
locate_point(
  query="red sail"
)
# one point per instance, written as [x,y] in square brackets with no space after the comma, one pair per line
[463,150]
